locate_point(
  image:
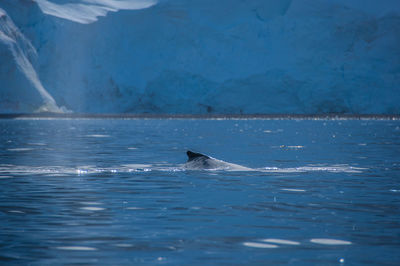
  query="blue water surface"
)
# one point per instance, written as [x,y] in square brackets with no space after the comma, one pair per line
[103,191]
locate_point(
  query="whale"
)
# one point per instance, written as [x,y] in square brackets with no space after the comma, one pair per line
[198,161]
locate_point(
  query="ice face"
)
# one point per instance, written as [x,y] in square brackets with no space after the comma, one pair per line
[23,52]
[228,56]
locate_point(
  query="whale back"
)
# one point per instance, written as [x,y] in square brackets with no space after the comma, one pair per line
[194,155]
[198,161]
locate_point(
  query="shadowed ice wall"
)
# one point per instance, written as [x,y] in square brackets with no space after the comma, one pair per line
[203,56]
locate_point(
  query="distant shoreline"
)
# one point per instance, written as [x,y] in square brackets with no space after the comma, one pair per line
[201,116]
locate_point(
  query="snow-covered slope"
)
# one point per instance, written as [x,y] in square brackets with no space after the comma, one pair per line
[202,56]
[17,67]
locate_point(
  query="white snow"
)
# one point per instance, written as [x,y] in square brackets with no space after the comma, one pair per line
[87,11]
[202,56]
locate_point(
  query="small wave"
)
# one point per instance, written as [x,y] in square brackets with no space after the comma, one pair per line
[92,208]
[327,241]
[20,149]
[280,241]
[258,245]
[90,203]
[77,248]
[98,136]
[37,144]
[289,147]
[16,211]
[276,242]
[339,168]
[7,170]
[293,189]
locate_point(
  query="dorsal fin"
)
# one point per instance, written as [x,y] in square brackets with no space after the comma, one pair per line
[193,155]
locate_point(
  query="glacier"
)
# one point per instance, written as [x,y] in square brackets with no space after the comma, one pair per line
[22,51]
[200,56]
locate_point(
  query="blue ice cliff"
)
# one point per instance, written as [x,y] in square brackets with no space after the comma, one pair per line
[200,56]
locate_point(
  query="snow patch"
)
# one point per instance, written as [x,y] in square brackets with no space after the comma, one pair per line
[87,11]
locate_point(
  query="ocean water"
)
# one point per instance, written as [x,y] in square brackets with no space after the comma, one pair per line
[115,192]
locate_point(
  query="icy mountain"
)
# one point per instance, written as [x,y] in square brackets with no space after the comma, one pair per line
[200,56]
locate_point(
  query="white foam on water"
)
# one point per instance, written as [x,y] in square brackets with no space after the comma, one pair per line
[340,168]
[77,248]
[132,148]
[20,149]
[133,168]
[16,211]
[295,147]
[280,241]
[258,245]
[134,208]
[5,177]
[90,203]
[293,189]
[81,172]
[98,136]
[328,241]
[289,147]
[92,208]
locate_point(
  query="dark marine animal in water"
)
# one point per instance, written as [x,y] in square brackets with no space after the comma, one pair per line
[198,161]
